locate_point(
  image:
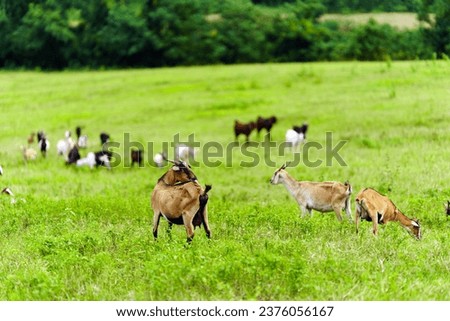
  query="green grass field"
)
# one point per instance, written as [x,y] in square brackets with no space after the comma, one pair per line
[81,234]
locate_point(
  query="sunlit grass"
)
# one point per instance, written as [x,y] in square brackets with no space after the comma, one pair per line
[77,234]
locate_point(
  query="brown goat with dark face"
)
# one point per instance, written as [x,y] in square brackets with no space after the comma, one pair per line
[447,208]
[379,209]
[245,129]
[179,197]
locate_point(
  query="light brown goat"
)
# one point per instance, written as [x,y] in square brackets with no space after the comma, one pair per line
[179,197]
[319,196]
[372,206]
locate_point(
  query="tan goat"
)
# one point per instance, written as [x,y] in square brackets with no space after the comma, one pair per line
[319,196]
[179,197]
[372,206]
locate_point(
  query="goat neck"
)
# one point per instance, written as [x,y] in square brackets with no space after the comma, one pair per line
[290,183]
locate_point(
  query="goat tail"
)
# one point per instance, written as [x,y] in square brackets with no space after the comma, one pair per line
[349,187]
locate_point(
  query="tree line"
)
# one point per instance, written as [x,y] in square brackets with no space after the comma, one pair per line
[59,34]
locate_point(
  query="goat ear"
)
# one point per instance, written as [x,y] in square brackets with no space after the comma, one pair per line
[176,168]
[415,223]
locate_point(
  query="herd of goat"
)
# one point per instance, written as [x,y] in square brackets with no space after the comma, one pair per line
[180,199]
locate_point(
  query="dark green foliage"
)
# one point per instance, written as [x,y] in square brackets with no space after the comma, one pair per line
[52,34]
[439,35]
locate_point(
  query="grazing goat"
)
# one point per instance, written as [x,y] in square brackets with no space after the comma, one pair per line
[372,206]
[28,154]
[179,197]
[101,158]
[31,138]
[89,160]
[319,196]
[136,157]
[294,139]
[104,138]
[81,139]
[447,208]
[265,123]
[245,129]
[301,129]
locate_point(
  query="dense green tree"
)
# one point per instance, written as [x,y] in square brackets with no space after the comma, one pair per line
[124,40]
[56,34]
[43,38]
[439,34]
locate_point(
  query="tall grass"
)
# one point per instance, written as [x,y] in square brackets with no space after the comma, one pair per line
[77,234]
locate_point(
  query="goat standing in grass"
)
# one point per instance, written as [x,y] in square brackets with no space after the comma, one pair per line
[245,129]
[44,145]
[320,196]
[379,209]
[180,199]
[447,208]
[265,123]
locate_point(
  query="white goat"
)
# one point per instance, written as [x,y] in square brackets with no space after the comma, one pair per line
[379,209]
[28,153]
[63,146]
[319,196]
[95,159]
[184,153]
[159,159]
[89,160]
[294,139]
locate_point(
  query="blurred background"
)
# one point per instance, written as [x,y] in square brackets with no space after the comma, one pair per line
[61,34]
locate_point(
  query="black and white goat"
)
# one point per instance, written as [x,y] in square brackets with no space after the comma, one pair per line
[104,138]
[296,136]
[73,156]
[301,129]
[101,158]
[43,143]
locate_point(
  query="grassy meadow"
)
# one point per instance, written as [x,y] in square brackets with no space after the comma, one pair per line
[81,234]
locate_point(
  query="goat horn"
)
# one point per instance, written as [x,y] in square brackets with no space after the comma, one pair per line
[285,165]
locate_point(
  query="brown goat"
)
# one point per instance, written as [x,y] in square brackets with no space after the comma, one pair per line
[372,206]
[320,196]
[136,157]
[179,197]
[245,129]
[265,123]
